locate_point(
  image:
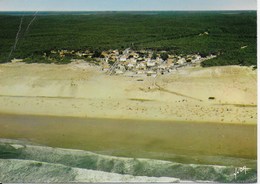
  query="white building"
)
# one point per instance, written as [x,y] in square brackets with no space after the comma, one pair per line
[122,59]
[151,73]
[150,63]
[181,61]
[130,65]
[141,66]
[16,60]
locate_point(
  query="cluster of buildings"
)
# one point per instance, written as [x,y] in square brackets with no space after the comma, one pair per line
[131,62]
[144,62]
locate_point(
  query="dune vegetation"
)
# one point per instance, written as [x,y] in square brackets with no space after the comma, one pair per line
[230,35]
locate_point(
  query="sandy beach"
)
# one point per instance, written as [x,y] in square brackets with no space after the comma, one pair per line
[196,119]
[80,90]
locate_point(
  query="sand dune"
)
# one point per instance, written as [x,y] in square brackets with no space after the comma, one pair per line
[81,90]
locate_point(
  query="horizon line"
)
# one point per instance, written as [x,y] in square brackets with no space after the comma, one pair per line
[110,10]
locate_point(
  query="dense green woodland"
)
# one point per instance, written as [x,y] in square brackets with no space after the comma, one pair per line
[175,32]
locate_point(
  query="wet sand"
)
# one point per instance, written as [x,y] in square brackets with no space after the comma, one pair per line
[164,140]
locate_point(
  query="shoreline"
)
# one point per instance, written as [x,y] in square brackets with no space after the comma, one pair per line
[129,119]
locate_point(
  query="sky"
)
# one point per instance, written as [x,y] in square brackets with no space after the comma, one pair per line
[125,5]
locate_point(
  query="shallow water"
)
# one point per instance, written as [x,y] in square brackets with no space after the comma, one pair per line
[200,143]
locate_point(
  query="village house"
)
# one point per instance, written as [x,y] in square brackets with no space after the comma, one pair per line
[151,73]
[16,60]
[181,61]
[130,66]
[141,66]
[122,58]
[150,63]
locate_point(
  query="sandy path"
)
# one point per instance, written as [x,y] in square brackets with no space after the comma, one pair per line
[80,90]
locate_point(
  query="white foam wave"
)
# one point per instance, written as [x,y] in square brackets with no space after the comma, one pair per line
[32,171]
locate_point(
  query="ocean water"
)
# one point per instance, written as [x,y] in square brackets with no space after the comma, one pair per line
[84,149]
[22,161]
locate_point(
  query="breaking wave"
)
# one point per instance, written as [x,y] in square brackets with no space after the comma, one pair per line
[20,162]
[13,170]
